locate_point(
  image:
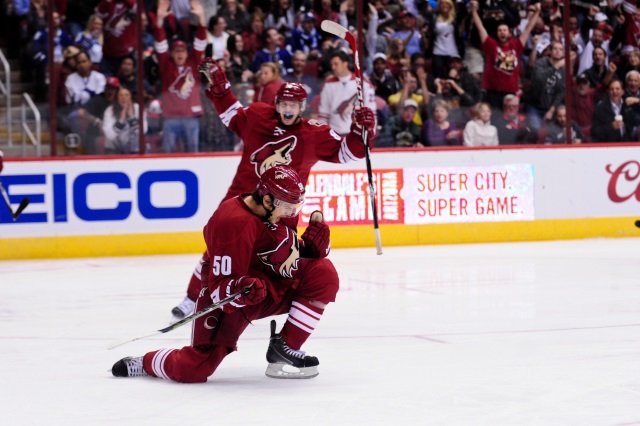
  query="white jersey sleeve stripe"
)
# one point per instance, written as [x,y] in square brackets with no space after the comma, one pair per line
[199,44]
[309,323]
[161,46]
[230,113]
[345,155]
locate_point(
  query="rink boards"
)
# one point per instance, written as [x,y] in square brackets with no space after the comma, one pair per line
[114,206]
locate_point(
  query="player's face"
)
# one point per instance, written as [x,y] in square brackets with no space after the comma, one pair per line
[281,209]
[289,112]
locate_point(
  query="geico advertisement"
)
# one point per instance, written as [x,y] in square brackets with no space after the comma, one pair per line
[111,196]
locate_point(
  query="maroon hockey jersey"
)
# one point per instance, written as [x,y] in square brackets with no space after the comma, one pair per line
[119,27]
[268,143]
[240,243]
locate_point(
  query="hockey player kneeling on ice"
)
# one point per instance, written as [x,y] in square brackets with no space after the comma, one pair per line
[248,247]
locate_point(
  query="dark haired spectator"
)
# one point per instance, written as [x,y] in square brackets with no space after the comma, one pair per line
[121,125]
[272,52]
[502,64]
[128,78]
[631,62]
[385,83]
[407,32]
[235,15]
[608,123]
[180,81]
[512,125]
[410,83]
[547,89]
[584,102]
[438,130]
[238,65]
[281,16]
[253,36]
[467,86]
[590,37]
[85,83]
[557,129]
[401,130]
[119,32]
[339,95]
[600,74]
[310,82]
[216,37]
[305,37]
[325,11]
[40,49]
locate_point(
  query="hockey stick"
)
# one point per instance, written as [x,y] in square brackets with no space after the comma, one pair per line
[184,320]
[23,203]
[340,31]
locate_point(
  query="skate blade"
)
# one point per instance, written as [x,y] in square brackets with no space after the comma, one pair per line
[286,371]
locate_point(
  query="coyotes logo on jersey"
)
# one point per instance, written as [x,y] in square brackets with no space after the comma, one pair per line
[183,84]
[345,109]
[283,260]
[118,22]
[273,154]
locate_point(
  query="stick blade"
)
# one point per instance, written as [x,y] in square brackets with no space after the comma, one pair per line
[23,205]
[334,28]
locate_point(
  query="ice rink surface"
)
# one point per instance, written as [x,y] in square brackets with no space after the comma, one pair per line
[544,333]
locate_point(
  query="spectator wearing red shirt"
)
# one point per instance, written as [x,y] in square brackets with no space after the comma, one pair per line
[502,56]
[270,83]
[119,32]
[180,81]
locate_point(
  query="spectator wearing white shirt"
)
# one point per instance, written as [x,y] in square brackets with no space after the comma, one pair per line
[480,131]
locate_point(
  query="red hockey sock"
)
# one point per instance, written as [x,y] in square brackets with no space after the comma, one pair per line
[303,318]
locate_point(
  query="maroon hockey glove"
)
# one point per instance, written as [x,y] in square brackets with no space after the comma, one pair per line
[363,117]
[316,239]
[257,292]
[218,83]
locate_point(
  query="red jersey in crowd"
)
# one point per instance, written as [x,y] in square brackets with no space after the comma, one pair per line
[180,85]
[501,65]
[119,27]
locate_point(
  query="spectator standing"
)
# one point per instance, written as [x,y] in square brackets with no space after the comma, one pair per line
[217,37]
[408,33]
[547,89]
[119,32]
[181,104]
[121,125]
[444,36]
[40,48]
[608,123]
[401,130]
[438,130]
[502,56]
[600,74]
[236,17]
[385,83]
[305,37]
[584,102]
[92,39]
[237,69]
[479,131]
[338,96]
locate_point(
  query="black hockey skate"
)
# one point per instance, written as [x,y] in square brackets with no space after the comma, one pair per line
[287,363]
[129,367]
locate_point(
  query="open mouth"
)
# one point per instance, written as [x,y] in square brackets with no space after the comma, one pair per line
[287,116]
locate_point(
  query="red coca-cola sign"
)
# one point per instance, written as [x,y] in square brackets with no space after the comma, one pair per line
[621,185]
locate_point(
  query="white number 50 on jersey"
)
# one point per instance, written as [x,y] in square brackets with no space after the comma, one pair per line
[221,265]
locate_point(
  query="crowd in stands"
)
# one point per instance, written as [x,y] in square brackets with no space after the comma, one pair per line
[438,72]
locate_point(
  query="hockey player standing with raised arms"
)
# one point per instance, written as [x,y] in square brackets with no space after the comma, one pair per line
[273,135]
[248,248]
